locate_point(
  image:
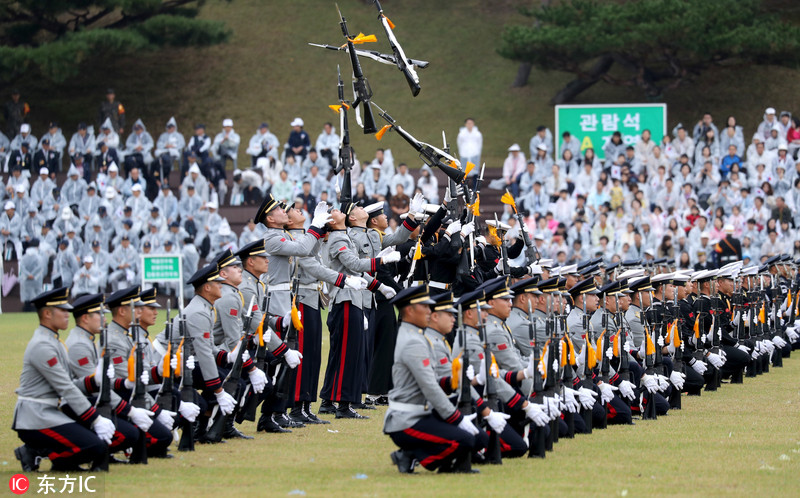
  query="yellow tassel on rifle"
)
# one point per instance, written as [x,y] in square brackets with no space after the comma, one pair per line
[382,132]
[167,358]
[418,252]
[564,353]
[789,304]
[542,361]
[599,349]
[650,348]
[676,336]
[797,301]
[476,208]
[132,365]
[298,325]
[179,357]
[469,168]
[335,108]
[592,356]
[615,345]
[455,375]
[260,332]
[389,22]
[697,327]
[509,199]
[571,350]
[762,314]
[362,38]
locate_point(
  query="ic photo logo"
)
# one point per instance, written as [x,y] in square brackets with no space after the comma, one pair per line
[18,484]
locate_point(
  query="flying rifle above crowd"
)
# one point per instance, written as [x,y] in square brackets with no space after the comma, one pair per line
[430,155]
[361,89]
[387,59]
[399,55]
[346,156]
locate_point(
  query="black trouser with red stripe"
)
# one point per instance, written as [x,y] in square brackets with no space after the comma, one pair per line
[380,375]
[434,442]
[619,412]
[343,376]
[310,346]
[67,446]
[158,439]
[369,345]
[125,436]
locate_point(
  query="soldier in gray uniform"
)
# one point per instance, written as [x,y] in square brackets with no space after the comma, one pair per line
[344,377]
[420,419]
[525,293]
[46,382]
[123,334]
[584,297]
[84,360]
[31,274]
[282,248]
[311,274]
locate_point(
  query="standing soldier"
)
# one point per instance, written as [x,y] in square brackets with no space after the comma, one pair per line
[311,274]
[112,110]
[344,376]
[16,111]
[46,381]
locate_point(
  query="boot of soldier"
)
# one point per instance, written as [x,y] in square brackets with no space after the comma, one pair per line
[200,430]
[404,460]
[347,411]
[286,422]
[297,414]
[777,357]
[459,465]
[312,419]
[326,407]
[358,405]
[737,377]
[267,423]
[230,432]
[27,458]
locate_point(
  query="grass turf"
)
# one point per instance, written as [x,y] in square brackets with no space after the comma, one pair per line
[741,440]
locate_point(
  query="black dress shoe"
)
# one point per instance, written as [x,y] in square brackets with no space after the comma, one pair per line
[326,408]
[233,433]
[382,401]
[312,419]
[268,424]
[345,410]
[405,461]
[361,406]
[298,415]
[285,421]
[28,458]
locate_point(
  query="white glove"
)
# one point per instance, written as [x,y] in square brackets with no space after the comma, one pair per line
[793,335]
[481,377]
[610,353]
[245,355]
[356,283]
[391,257]
[292,358]
[663,382]
[580,360]
[226,402]
[467,426]
[258,379]
[416,203]
[447,196]
[778,341]
[743,347]
[497,421]
[650,382]
[715,360]
[98,371]
[586,397]
[166,418]
[553,406]
[141,418]
[698,366]
[321,215]
[173,363]
[453,227]
[145,378]
[570,402]
[467,229]
[536,414]
[626,389]
[387,291]
[189,410]
[470,373]
[677,379]
[104,428]
[190,361]
[528,371]
[607,392]
[660,340]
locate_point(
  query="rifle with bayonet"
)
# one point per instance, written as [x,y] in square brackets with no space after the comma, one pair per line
[188,393]
[166,395]
[531,253]
[605,366]
[430,155]
[139,395]
[285,380]
[777,354]
[248,412]
[567,375]
[589,359]
[400,57]
[361,89]
[103,404]
[648,401]
[387,59]
[464,384]
[677,355]
[218,420]
[346,156]
[551,363]
[537,435]
[490,391]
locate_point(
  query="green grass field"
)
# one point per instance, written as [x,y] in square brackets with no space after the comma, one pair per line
[741,440]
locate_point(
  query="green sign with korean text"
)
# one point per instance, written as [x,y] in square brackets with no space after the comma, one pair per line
[161,268]
[593,125]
